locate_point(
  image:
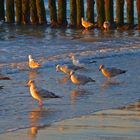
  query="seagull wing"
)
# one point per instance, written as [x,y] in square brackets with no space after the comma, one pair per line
[47,94]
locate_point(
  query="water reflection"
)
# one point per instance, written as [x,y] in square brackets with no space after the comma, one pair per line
[77,93]
[34,117]
[87,31]
[108,83]
[33,74]
[63,80]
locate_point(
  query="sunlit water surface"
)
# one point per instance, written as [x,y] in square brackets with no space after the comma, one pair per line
[50,47]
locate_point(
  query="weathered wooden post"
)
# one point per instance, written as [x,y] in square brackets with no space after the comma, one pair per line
[72,13]
[25,11]
[130,12]
[90,10]
[138,12]
[53,12]
[120,12]
[109,13]
[10,13]
[100,12]
[33,12]
[18,13]
[62,12]
[41,12]
[1,9]
[80,12]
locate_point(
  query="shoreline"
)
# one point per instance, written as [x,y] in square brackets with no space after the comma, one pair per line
[116,124]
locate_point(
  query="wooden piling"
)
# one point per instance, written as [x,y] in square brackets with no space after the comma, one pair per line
[53,12]
[25,12]
[120,12]
[80,12]
[73,13]
[18,12]
[130,12]
[100,12]
[33,12]
[138,12]
[90,11]
[62,21]
[10,13]
[109,11]
[41,12]
[2,13]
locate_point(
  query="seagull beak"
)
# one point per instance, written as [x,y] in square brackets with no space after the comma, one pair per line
[28,84]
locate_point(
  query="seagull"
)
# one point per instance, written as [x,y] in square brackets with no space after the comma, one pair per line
[110,72]
[67,68]
[40,94]
[77,63]
[80,79]
[86,24]
[106,25]
[32,63]
[63,69]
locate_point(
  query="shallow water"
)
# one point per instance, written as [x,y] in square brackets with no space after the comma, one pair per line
[50,47]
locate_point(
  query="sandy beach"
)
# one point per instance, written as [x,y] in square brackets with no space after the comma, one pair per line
[116,124]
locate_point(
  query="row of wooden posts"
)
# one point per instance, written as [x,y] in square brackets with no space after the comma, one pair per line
[33,12]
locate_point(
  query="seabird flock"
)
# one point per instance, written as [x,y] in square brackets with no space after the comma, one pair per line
[70,71]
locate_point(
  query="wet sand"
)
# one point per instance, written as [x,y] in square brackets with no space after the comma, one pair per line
[113,124]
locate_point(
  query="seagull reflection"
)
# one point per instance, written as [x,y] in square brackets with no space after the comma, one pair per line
[34,117]
[106,84]
[63,80]
[75,93]
[86,31]
[33,74]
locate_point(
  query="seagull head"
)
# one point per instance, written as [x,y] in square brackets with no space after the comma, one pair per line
[71,72]
[101,67]
[72,56]
[30,57]
[57,68]
[106,24]
[30,82]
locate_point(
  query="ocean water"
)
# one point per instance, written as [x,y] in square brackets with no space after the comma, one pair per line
[51,47]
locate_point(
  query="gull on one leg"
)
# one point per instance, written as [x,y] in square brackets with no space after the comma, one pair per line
[86,24]
[40,94]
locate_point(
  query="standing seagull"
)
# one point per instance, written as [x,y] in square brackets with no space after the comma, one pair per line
[39,94]
[106,25]
[80,63]
[86,24]
[110,72]
[76,61]
[80,79]
[66,68]
[32,63]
